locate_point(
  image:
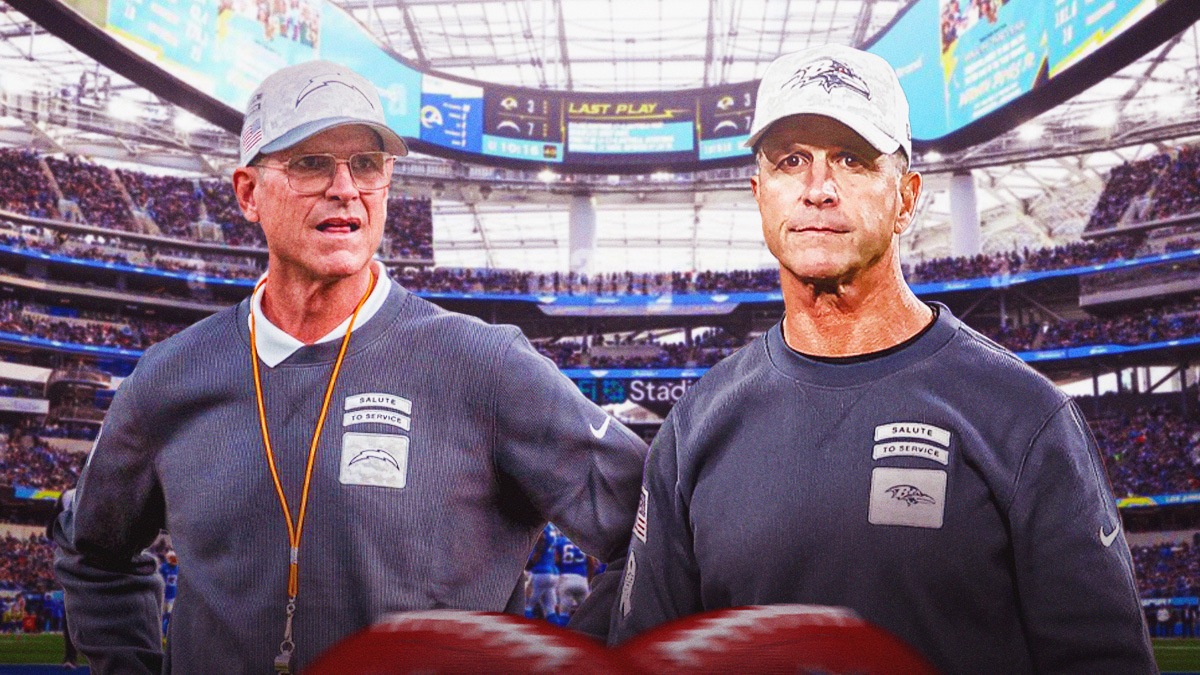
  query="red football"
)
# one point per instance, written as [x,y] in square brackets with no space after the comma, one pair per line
[772,639]
[454,641]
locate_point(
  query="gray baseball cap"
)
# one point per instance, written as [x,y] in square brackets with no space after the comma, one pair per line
[856,88]
[300,101]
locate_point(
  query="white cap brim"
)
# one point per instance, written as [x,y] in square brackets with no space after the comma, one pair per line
[872,134]
[391,140]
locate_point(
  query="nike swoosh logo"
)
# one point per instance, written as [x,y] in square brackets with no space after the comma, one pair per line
[1108,539]
[599,432]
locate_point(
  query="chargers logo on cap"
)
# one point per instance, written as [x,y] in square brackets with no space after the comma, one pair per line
[829,73]
[316,83]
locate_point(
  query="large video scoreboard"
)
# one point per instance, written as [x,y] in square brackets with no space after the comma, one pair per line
[650,128]
[971,70]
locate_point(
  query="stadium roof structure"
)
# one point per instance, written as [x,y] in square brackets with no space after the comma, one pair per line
[1036,184]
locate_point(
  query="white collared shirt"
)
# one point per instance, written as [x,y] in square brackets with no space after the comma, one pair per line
[275,345]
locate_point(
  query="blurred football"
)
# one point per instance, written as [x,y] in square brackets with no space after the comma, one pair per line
[455,641]
[772,639]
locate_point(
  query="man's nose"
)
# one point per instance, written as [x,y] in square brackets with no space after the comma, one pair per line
[342,186]
[821,189]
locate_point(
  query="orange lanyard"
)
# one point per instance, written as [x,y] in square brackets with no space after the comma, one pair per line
[296,529]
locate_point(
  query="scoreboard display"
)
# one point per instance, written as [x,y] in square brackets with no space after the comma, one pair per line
[657,123]
[523,124]
[640,130]
[971,69]
[723,117]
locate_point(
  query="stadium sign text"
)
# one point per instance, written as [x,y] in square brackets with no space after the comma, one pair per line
[658,391]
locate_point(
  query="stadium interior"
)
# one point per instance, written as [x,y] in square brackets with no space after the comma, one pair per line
[1067,232]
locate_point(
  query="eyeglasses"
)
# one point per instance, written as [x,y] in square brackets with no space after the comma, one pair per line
[313,174]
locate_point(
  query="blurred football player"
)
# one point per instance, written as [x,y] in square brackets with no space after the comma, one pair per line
[543,578]
[170,574]
[572,578]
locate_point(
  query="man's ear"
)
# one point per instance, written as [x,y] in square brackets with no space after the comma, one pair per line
[245,179]
[910,194]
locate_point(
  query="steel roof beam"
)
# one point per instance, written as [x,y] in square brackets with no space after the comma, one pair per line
[411,27]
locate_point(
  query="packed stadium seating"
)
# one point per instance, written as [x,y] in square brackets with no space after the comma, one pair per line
[408,231]
[1050,258]
[24,186]
[26,563]
[85,328]
[1177,320]
[222,208]
[94,189]
[168,200]
[1149,451]
[1126,183]
[1178,190]
[1159,187]
[27,462]
[1167,570]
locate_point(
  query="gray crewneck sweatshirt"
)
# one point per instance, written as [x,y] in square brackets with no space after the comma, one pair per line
[448,444]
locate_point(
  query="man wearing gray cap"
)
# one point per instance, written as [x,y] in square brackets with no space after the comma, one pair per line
[333,448]
[871,451]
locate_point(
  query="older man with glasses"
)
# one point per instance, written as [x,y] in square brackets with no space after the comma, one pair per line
[333,448]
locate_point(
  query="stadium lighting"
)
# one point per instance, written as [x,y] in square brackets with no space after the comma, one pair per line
[123,108]
[932,157]
[187,122]
[1104,118]
[547,176]
[1031,131]
[15,83]
[662,176]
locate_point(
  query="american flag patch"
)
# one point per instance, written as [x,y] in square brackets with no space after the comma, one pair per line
[639,523]
[252,135]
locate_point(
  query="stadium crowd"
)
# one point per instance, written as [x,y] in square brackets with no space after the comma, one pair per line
[1150,451]
[25,187]
[87,328]
[172,203]
[1065,256]
[408,231]
[220,203]
[1167,570]
[26,461]
[1155,188]
[26,563]
[93,188]
[1156,324]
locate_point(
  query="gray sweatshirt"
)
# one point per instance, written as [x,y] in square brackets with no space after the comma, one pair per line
[448,444]
[943,490]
